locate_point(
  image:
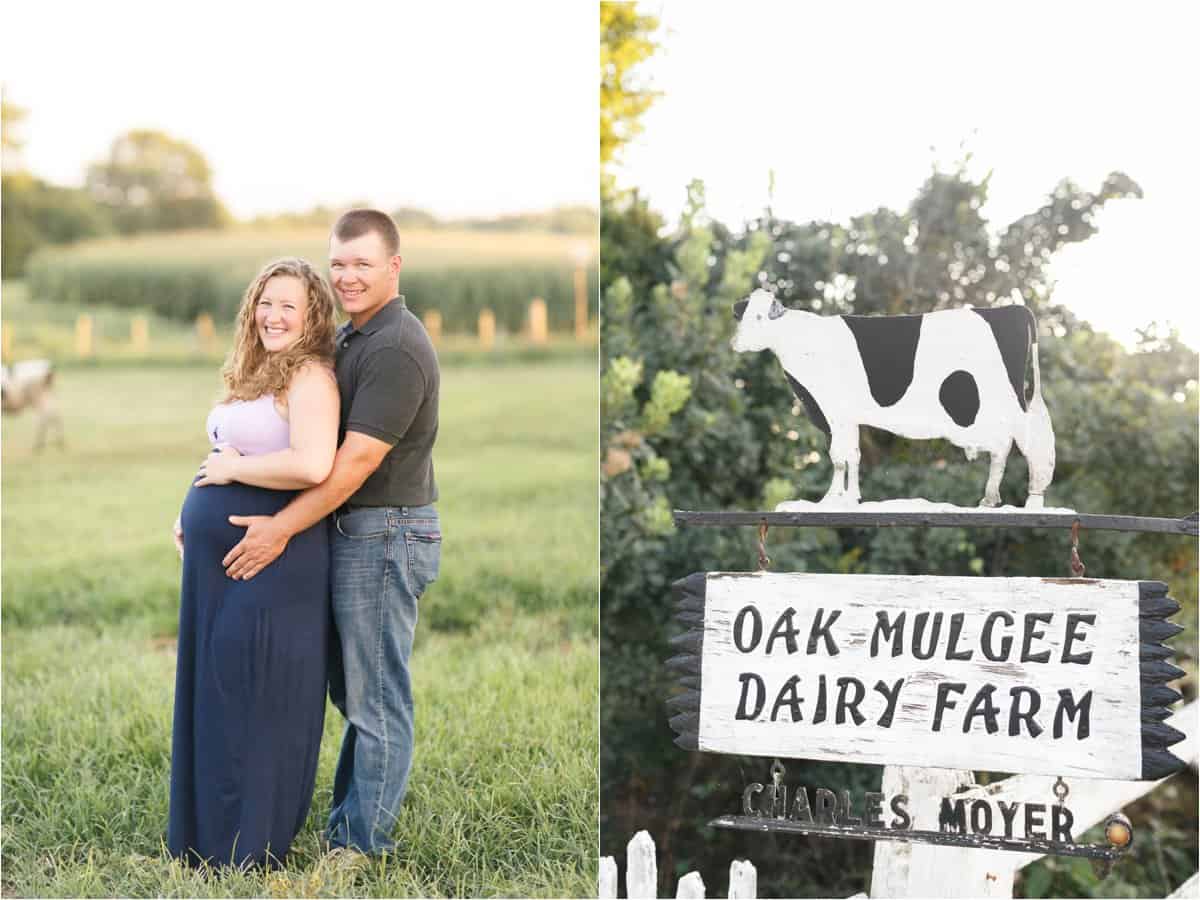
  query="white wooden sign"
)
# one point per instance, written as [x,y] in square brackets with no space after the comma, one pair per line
[1030,675]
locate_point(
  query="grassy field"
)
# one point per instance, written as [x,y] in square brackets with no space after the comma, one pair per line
[503,795]
[431,249]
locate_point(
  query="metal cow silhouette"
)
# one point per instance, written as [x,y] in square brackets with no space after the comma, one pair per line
[957,374]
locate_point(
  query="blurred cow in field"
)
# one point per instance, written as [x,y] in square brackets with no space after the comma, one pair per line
[30,385]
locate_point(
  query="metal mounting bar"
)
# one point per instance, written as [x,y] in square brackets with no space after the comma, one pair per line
[1188,525]
[918,836]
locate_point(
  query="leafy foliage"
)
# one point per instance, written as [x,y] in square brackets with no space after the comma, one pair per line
[1127,443]
[624,42]
[154,182]
[35,213]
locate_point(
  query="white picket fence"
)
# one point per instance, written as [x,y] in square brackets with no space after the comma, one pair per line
[926,870]
[641,875]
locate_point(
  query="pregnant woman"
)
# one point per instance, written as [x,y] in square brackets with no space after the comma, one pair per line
[251,676]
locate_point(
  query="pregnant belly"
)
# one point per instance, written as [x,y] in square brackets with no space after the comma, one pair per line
[206,512]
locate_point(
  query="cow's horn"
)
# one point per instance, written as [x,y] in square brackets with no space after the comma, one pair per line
[776,310]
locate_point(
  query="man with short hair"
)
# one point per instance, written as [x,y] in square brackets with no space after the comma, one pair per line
[386,540]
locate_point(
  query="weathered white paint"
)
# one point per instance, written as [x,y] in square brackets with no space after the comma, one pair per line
[1090,800]
[641,868]
[927,870]
[608,879]
[690,887]
[1113,748]
[915,505]
[743,880]
[820,353]
[1190,888]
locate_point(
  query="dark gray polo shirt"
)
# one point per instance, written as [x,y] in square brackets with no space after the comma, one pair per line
[387,375]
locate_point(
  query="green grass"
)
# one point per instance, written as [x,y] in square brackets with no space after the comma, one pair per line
[503,795]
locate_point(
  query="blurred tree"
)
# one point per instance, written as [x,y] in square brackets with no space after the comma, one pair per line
[11,142]
[35,212]
[153,182]
[624,42]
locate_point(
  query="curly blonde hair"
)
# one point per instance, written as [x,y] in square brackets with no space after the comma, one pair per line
[250,371]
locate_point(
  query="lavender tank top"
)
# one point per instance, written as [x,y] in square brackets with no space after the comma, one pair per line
[253,427]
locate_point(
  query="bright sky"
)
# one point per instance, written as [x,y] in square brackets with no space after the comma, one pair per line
[460,108]
[844,101]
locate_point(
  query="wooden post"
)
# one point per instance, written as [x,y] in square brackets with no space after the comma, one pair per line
[641,868]
[433,325]
[139,333]
[743,880]
[923,870]
[690,887]
[537,321]
[83,336]
[608,879]
[487,329]
[205,332]
[581,305]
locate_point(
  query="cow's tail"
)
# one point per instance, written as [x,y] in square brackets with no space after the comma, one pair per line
[1036,439]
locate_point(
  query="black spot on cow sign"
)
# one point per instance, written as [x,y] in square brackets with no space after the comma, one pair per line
[888,347]
[959,396]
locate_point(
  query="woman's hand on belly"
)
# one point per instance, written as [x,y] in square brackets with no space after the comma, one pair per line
[220,467]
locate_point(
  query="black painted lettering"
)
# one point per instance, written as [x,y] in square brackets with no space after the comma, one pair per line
[1033,633]
[986,645]
[788,697]
[1074,620]
[1009,812]
[1068,708]
[982,705]
[739,629]
[1033,820]
[1016,716]
[851,706]
[820,630]
[956,626]
[826,807]
[981,824]
[953,816]
[1061,821]
[800,810]
[874,809]
[943,701]
[918,633]
[888,630]
[760,695]
[900,809]
[747,801]
[785,628]
[891,696]
[846,813]
[819,712]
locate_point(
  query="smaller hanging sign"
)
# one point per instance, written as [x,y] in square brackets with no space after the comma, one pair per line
[1025,675]
[976,824]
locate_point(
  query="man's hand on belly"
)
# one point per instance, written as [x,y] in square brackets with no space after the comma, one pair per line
[261,546]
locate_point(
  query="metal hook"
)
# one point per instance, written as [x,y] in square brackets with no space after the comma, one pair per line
[1077,566]
[763,559]
[1061,790]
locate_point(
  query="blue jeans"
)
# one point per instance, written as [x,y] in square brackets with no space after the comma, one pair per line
[382,560]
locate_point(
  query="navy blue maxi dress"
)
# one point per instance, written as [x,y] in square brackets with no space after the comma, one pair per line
[249,686]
